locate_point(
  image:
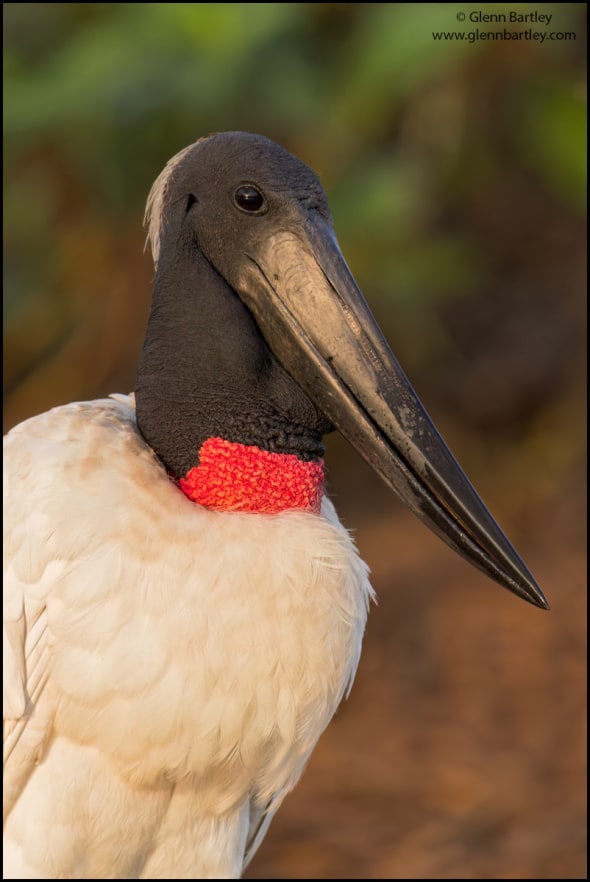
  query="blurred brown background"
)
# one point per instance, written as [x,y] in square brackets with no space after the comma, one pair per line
[456,174]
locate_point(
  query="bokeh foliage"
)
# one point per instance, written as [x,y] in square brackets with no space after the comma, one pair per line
[411,136]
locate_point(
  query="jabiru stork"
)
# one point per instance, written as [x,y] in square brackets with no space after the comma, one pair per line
[183,610]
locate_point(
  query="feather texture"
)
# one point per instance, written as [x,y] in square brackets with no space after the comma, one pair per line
[169,668]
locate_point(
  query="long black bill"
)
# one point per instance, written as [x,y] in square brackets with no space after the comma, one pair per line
[319,326]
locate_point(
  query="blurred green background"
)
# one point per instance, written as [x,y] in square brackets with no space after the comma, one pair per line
[456,173]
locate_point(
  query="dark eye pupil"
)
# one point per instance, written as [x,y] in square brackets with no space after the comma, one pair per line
[249,198]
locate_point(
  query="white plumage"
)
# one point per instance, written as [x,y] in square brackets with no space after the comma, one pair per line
[122,689]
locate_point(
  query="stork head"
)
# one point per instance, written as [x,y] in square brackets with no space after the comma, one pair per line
[248,263]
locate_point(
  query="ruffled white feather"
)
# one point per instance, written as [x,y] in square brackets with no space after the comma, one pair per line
[168,669]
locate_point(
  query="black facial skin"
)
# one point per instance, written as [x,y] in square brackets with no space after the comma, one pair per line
[205,370]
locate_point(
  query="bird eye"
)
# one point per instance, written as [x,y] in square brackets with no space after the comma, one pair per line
[249,199]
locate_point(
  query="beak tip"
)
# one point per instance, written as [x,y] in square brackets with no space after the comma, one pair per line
[542,603]
[535,596]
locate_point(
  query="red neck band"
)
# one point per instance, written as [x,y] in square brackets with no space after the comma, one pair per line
[240,477]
